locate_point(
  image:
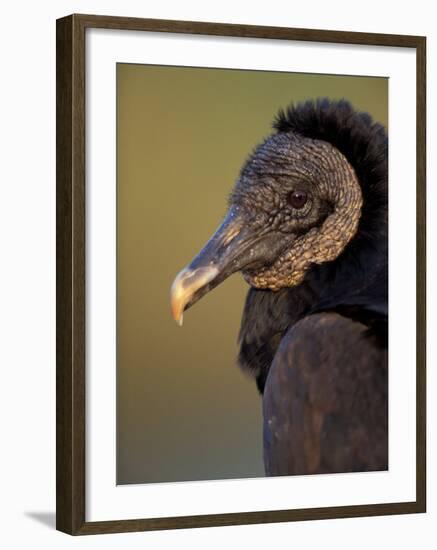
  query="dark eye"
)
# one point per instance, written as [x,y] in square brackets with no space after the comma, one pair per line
[297,199]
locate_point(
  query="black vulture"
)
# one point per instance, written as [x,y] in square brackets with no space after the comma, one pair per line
[307,226]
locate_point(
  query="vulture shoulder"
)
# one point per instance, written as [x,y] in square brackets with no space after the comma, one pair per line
[325,399]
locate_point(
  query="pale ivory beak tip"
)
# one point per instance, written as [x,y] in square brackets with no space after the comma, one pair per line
[187,282]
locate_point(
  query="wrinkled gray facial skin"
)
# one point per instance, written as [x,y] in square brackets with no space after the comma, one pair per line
[315,233]
[267,236]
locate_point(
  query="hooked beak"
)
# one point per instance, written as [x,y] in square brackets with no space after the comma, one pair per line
[233,247]
[184,287]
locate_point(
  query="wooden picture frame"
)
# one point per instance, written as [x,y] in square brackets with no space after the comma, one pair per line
[71,283]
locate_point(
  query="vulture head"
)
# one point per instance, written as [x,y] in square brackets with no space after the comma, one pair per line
[300,199]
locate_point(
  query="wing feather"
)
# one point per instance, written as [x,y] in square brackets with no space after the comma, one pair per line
[325,400]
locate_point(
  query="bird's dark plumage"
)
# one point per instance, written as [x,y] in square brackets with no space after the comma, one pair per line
[333,416]
[308,227]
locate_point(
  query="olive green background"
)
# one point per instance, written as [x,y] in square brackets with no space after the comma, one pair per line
[184,409]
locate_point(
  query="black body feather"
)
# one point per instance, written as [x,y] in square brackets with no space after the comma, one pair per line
[325,403]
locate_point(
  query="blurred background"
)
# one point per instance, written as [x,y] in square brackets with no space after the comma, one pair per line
[184,409]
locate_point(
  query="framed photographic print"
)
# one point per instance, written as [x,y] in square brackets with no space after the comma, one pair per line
[266,186]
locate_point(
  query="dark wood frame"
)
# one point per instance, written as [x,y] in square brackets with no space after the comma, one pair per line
[70,275]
